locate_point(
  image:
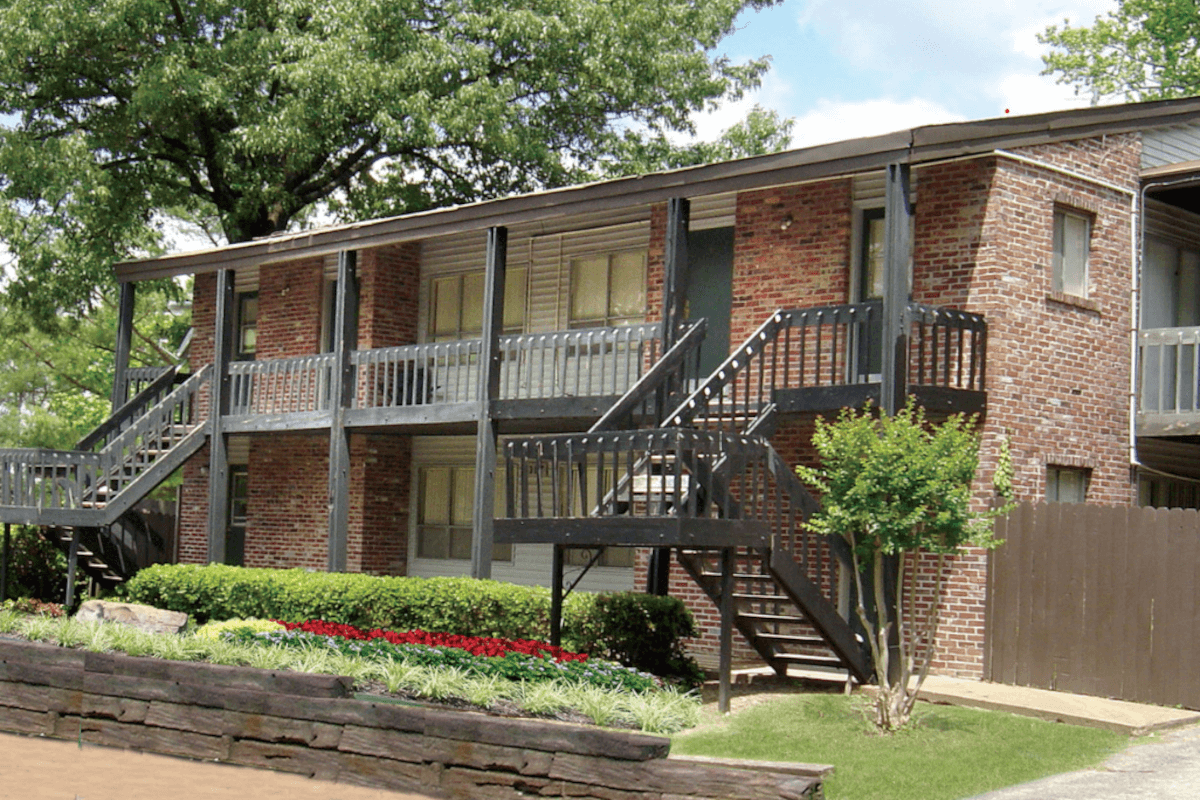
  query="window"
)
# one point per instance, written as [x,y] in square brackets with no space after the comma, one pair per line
[239,501]
[870,276]
[1066,484]
[1072,232]
[247,325]
[608,289]
[457,305]
[447,504]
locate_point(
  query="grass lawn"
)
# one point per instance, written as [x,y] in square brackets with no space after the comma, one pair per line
[950,753]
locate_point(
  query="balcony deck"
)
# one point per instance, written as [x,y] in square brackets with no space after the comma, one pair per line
[565,380]
[1168,388]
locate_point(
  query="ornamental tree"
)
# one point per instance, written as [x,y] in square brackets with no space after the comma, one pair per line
[898,487]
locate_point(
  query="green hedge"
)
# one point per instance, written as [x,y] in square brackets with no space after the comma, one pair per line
[641,631]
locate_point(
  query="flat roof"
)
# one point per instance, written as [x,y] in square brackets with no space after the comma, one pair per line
[919,145]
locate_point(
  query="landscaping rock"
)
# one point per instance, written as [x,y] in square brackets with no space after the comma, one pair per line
[146,618]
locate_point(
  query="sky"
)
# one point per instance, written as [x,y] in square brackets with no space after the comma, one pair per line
[849,68]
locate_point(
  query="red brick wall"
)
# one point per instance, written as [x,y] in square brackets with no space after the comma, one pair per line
[288,510]
[380,483]
[289,309]
[805,264]
[389,279]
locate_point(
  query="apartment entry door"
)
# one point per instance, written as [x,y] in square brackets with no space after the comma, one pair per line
[710,290]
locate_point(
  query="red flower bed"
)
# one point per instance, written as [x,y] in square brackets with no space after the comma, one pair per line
[475,645]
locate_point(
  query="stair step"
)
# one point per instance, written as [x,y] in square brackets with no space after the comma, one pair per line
[811,660]
[787,638]
[771,617]
[762,598]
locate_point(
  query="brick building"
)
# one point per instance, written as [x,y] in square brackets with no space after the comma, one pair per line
[1042,271]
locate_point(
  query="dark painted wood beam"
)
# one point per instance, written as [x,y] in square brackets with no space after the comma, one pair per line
[345,340]
[675,278]
[897,253]
[120,392]
[483,524]
[218,454]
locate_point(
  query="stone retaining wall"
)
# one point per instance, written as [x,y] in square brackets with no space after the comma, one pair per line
[310,724]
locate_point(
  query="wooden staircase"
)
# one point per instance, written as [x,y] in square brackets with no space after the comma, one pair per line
[704,480]
[83,500]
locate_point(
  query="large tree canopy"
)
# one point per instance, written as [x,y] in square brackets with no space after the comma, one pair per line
[130,111]
[1144,50]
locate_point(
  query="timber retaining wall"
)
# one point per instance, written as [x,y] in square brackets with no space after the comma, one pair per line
[313,725]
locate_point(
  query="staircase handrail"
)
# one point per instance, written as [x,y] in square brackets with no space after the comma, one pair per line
[158,418]
[653,378]
[132,408]
[724,374]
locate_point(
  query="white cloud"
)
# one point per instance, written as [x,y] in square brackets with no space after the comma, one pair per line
[775,93]
[832,121]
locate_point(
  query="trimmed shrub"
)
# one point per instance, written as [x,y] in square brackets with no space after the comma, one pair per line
[36,568]
[644,629]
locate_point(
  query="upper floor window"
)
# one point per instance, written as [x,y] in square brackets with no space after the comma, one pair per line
[457,305]
[1072,234]
[1066,484]
[608,289]
[247,325]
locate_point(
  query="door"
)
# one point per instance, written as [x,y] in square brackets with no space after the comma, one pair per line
[235,534]
[710,291]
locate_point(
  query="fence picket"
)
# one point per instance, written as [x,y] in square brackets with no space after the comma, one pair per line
[1097,600]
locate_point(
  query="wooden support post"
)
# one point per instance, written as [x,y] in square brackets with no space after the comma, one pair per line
[897,253]
[726,646]
[482,528]
[120,391]
[72,565]
[675,290]
[342,388]
[556,597]
[675,279]
[218,454]
[658,575]
[4,561]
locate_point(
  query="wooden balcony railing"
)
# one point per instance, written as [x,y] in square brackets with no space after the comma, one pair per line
[824,358]
[1168,370]
[280,386]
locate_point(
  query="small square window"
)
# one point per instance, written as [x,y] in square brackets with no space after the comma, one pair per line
[1066,484]
[1072,234]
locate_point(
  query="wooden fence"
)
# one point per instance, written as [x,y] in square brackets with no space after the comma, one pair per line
[1097,600]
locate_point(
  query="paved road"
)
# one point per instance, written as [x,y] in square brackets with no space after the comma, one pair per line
[1166,767]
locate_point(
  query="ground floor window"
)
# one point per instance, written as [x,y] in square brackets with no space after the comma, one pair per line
[1066,484]
[446,506]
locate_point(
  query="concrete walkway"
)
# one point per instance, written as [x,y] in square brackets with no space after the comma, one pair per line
[1133,719]
[1165,767]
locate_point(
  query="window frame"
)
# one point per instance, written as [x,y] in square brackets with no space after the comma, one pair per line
[1059,277]
[241,328]
[516,280]
[1055,485]
[501,553]
[608,319]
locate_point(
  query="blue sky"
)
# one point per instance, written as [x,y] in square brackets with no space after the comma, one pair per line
[847,68]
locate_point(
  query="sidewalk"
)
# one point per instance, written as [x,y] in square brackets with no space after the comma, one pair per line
[1133,719]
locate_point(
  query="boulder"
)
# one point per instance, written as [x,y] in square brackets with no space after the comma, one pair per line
[146,618]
